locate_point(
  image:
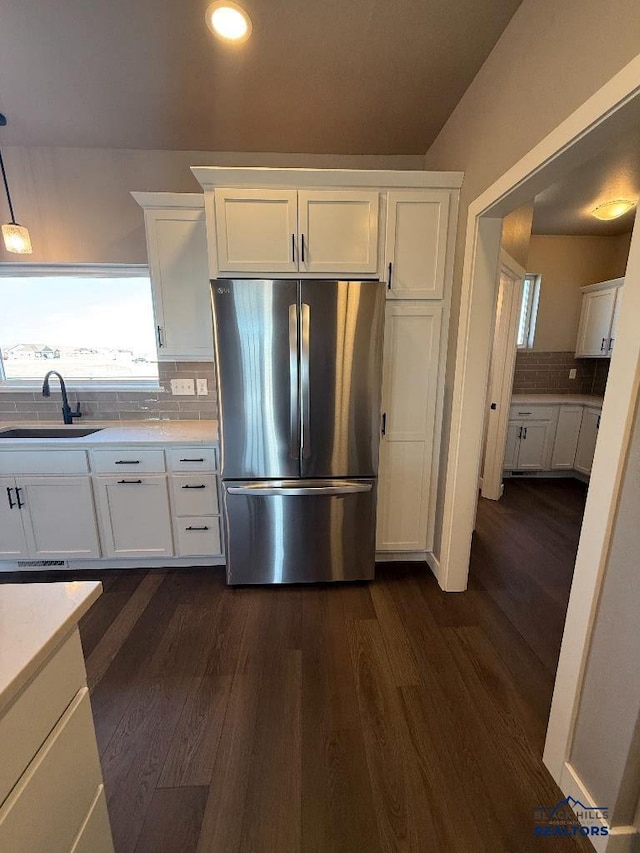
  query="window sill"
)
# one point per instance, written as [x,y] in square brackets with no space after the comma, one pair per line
[17,387]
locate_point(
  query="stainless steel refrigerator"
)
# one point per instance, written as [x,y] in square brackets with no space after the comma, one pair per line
[299,377]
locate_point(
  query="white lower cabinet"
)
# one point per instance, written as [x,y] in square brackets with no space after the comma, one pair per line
[409,394]
[47,518]
[529,445]
[135,516]
[95,832]
[566,440]
[587,439]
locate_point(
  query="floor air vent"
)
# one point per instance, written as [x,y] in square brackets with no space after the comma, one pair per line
[42,564]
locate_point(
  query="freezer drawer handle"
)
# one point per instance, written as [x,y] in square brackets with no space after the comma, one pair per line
[203,486]
[261,491]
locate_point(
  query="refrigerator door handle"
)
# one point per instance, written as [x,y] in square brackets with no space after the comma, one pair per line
[294,412]
[305,419]
[260,490]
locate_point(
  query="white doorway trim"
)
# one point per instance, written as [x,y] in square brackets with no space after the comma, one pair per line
[502,365]
[598,122]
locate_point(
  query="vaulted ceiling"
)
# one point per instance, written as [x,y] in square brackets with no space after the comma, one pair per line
[317,76]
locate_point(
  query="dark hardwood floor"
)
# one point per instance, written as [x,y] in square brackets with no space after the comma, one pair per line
[381,717]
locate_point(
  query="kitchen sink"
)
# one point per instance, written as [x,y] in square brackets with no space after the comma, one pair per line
[48,432]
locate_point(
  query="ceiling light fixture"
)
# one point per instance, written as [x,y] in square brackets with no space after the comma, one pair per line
[16,237]
[613,209]
[228,21]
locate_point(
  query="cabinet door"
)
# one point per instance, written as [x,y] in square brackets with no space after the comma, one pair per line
[338,232]
[614,321]
[13,543]
[512,445]
[410,377]
[416,244]
[256,231]
[59,517]
[177,251]
[587,440]
[134,516]
[566,438]
[534,445]
[595,323]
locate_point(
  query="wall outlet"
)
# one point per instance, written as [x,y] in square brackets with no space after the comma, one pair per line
[183,387]
[573,373]
[201,387]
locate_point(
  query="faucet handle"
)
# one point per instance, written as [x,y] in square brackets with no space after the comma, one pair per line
[77,413]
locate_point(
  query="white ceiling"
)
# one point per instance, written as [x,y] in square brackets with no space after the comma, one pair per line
[317,76]
[566,207]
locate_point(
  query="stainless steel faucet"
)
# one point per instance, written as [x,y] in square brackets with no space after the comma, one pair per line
[67,414]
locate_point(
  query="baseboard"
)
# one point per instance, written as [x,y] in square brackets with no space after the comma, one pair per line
[401,557]
[99,565]
[609,839]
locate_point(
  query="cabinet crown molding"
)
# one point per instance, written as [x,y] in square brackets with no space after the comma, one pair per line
[602,285]
[211,177]
[151,200]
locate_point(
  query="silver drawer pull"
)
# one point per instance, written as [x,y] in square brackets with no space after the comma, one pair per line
[197,528]
[192,460]
[203,486]
[127,462]
[129,482]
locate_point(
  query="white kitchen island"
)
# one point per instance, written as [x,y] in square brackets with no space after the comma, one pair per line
[51,793]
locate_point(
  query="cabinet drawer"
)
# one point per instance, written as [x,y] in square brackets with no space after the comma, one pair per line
[192,459]
[24,727]
[127,461]
[95,832]
[524,412]
[194,494]
[43,462]
[198,537]
[45,810]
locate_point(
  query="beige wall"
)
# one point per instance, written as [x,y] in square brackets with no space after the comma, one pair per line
[539,72]
[566,264]
[516,233]
[77,205]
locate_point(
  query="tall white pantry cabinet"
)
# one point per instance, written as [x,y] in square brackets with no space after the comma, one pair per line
[398,227]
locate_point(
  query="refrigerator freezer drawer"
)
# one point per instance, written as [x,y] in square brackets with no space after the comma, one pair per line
[300,531]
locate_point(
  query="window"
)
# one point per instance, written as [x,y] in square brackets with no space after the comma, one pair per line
[528,311]
[92,323]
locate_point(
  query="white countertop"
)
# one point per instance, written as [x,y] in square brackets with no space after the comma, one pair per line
[117,432]
[34,619]
[556,399]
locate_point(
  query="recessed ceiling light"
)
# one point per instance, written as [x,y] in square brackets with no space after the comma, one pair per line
[613,209]
[228,21]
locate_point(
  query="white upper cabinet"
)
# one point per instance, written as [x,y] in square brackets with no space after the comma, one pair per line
[296,231]
[416,243]
[338,231]
[598,319]
[177,252]
[256,231]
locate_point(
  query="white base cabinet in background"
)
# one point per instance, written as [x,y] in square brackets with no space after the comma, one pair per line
[566,440]
[409,395]
[135,516]
[48,518]
[587,439]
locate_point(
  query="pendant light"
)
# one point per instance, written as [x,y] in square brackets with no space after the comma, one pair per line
[16,237]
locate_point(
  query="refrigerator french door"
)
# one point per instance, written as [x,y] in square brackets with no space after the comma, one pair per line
[299,375]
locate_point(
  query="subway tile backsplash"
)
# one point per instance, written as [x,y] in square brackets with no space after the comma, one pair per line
[157,404]
[548,373]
